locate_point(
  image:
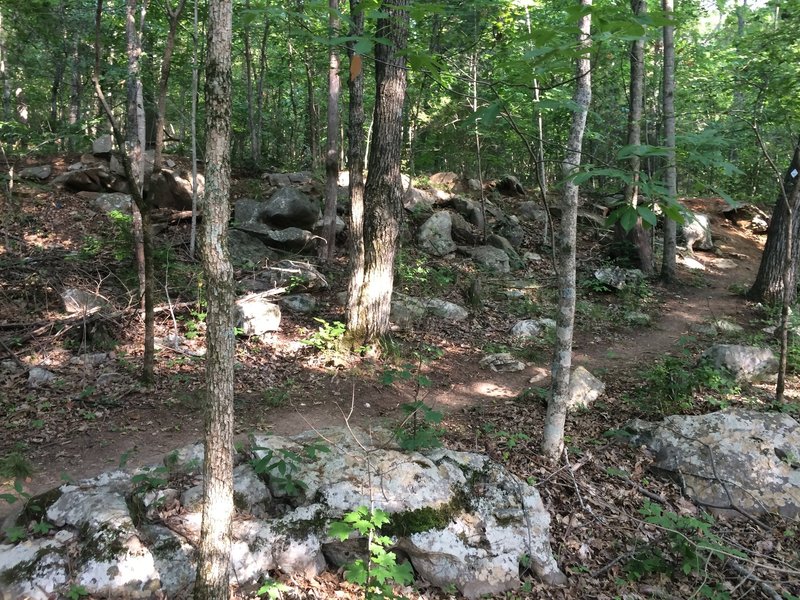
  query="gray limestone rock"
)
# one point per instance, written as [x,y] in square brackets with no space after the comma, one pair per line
[696,232]
[584,389]
[493,259]
[40,172]
[113,202]
[502,362]
[745,363]
[735,458]
[255,315]
[300,303]
[289,207]
[435,235]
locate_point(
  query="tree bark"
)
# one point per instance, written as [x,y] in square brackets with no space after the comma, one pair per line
[75,85]
[638,237]
[383,193]
[213,565]
[553,435]
[142,228]
[355,162]
[332,151]
[668,99]
[312,117]
[195,77]
[768,286]
[166,62]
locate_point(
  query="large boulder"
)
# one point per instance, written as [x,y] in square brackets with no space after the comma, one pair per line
[435,235]
[112,202]
[696,232]
[729,460]
[407,311]
[745,363]
[289,207]
[39,172]
[490,258]
[173,189]
[94,178]
[418,201]
[584,389]
[446,180]
[510,186]
[461,519]
[247,250]
[255,315]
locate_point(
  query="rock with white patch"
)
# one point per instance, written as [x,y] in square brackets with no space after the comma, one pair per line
[502,362]
[255,315]
[584,389]
[696,232]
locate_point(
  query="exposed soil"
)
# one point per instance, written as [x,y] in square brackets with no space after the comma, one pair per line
[73,429]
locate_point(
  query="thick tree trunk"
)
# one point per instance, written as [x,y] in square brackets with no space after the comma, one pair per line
[638,237]
[553,435]
[383,194]
[769,284]
[668,99]
[166,63]
[213,564]
[355,162]
[332,151]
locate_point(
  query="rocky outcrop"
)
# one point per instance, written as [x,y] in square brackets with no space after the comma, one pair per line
[729,460]
[435,235]
[173,189]
[460,519]
[745,363]
[696,232]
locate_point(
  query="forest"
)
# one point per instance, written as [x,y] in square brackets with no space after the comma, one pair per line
[399,299]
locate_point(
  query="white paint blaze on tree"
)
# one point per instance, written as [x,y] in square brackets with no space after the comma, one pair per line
[213,564]
[553,441]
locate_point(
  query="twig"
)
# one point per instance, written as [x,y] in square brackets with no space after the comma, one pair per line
[13,355]
[765,587]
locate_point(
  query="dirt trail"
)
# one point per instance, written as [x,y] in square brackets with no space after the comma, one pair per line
[149,427]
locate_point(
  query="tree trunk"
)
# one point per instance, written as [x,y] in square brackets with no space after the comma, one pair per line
[262,68]
[769,285]
[553,435]
[213,564]
[355,162]
[638,237]
[332,152]
[4,71]
[312,117]
[668,99]
[195,76]
[142,229]
[75,86]
[383,194]
[166,62]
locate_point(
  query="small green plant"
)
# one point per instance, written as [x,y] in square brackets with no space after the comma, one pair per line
[327,336]
[41,527]
[122,238]
[16,533]
[508,440]
[15,466]
[92,246]
[381,569]
[76,592]
[194,323]
[149,479]
[420,429]
[282,466]
[272,589]
[275,397]
[689,543]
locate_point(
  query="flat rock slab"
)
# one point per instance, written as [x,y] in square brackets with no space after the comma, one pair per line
[729,460]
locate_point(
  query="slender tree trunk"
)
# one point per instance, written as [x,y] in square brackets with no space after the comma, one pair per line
[213,564]
[383,194]
[332,152]
[6,81]
[639,237]
[142,229]
[312,117]
[248,80]
[668,260]
[195,77]
[355,162]
[260,93]
[75,86]
[174,16]
[553,435]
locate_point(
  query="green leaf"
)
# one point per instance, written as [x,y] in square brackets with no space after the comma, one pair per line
[10,498]
[356,573]
[340,530]
[648,216]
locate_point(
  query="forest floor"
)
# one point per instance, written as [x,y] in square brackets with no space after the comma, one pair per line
[71,429]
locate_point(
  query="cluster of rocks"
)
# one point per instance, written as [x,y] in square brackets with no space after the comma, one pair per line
[459,518]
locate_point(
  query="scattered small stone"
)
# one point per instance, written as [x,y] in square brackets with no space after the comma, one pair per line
[38,377]
[502,362]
